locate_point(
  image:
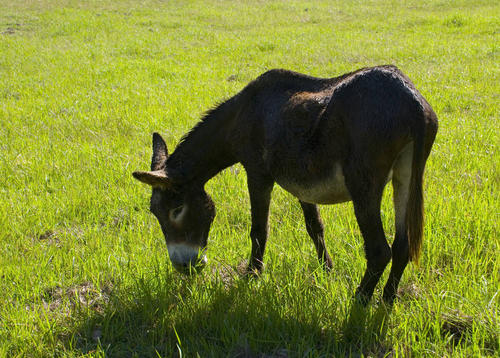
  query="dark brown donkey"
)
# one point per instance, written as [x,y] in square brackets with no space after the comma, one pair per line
[325,141]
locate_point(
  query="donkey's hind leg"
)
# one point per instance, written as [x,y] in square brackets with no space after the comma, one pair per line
[315,229]
[366,190]
[400,252]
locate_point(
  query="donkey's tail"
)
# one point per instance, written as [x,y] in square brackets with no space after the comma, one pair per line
[415,205]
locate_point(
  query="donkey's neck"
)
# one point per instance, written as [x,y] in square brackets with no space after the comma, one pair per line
[206,149]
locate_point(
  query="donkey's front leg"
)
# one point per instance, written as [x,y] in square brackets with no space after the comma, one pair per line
[315,229]
[260,188]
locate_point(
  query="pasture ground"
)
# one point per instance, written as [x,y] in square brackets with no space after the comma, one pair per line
[83,264]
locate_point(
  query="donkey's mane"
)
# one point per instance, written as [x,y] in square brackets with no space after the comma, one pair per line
[208,117]
[209,129]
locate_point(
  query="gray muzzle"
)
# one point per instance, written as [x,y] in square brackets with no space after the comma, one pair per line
[186,258]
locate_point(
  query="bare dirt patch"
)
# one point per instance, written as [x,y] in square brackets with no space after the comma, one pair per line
[11,29]
[50,237]
[409,291]
[81,295]
[456,324]
[225,273]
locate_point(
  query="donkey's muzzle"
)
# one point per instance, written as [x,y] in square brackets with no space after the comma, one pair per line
[186,259]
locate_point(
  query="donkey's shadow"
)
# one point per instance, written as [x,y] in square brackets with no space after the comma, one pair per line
[366,323]
[235,323]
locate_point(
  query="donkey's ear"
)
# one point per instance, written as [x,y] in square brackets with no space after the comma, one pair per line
[156,178]
[160,153]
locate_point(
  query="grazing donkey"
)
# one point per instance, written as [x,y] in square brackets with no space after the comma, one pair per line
[325,141]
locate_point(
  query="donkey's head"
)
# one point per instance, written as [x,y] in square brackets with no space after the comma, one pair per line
[185,212]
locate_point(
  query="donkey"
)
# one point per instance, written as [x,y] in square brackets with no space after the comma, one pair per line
[324,140]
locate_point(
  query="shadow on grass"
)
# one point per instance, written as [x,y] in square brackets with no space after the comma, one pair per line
[366,329]
[238,320]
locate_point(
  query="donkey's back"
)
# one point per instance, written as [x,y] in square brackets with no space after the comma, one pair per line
[309,130]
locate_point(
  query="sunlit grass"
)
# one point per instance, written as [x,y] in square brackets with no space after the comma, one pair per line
[83,265]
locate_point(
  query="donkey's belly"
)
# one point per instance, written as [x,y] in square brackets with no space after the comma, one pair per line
[329,190]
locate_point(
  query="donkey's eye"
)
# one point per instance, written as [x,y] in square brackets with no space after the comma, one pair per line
[174,213]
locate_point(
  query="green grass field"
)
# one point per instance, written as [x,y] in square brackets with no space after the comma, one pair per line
[83,264]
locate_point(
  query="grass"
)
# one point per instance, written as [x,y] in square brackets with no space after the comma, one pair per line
[83,265]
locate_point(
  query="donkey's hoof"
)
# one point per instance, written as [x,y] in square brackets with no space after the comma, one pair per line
[327,266]
[361,298]
[388,299]
[252,272]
